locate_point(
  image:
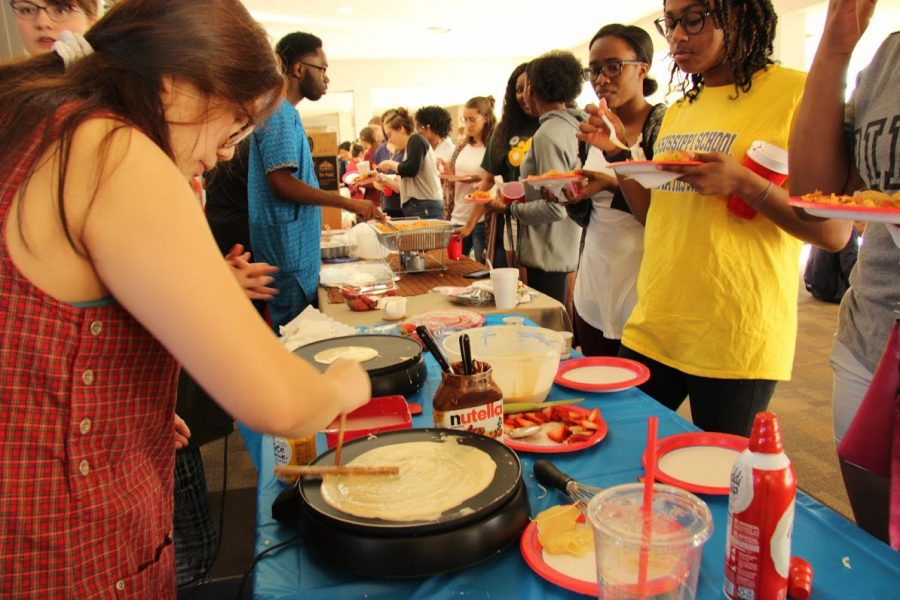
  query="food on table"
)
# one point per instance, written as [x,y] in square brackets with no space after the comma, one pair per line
[479,195]
[560,532]
[552,174]
[443,319]
[434,477]
[560,424]
[357,353]
[363,298]
[412,225]
[875,198]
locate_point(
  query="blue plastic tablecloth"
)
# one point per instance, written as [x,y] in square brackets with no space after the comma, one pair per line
[848,562]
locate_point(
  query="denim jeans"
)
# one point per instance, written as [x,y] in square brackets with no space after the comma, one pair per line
[424,209]
[477,241]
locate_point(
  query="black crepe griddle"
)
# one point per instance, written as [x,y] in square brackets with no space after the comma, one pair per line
[399,367]
[464,536]
[504,485]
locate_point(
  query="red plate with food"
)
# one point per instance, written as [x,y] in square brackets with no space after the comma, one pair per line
[575,573]
[601,374]
[698,461]
[446,318]
[479,197]
[558,428]
[866,205]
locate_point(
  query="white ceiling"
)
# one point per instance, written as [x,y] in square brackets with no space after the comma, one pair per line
[357,29]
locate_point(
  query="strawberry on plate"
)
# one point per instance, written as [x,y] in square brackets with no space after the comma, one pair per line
[565,428]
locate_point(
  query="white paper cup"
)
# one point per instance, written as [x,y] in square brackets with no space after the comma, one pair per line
[363,167]
[506,284]
[394,307]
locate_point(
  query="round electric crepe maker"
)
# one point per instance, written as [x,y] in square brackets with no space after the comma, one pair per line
[463,536]
[399,367]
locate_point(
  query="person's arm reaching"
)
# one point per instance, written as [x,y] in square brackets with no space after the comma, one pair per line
[416,151]
[818,155]
[288,187]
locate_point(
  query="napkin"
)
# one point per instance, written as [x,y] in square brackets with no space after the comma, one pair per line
[311,326]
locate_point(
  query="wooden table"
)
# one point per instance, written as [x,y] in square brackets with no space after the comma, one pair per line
[543,310]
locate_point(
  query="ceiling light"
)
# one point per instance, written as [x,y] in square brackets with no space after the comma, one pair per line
[438,29]
[345,9]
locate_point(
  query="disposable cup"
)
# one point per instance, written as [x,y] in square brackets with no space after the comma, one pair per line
[671,539]
[363,167]
[512,191]
[394,307]
[505,283]
[454,247]
[766,160]
[567,344]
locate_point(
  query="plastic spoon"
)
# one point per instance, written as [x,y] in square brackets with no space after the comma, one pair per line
[613,137]
[523,432]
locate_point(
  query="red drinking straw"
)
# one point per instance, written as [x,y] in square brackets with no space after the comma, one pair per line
[647,507]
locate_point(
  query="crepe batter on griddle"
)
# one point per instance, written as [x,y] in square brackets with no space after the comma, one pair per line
[434,478]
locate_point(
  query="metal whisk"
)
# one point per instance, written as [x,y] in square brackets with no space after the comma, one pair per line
[547,473]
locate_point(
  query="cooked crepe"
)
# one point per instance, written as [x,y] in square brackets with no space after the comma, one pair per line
[357,353]
[434,477]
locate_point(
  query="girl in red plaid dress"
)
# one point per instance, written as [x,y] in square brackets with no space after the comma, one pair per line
[108,275]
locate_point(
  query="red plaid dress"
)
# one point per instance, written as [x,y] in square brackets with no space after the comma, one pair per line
[87,398]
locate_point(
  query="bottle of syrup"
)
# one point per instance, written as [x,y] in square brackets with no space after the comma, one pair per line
[760,517]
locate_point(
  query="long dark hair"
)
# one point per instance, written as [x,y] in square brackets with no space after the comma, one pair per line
[748,45]
[640,43]
[136,44]
[514,121]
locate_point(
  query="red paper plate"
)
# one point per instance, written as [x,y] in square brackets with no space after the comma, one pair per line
[697,461]
[601,374]
[551,447]
[880,214]
[472,200]
[533,554]
[447,318]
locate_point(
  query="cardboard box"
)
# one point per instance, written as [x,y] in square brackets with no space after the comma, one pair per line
[323,143]
[324,147]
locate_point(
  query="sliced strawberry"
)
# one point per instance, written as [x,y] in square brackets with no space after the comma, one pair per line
[580,437]
[510,422]
[370,301]
[595,416]
[537,416]
[558,435]
[548,413]
[588,424]
[530,418]
[523,422]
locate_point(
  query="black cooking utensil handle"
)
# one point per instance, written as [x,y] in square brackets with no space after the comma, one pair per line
[547,473]
[465,349]
[433,347]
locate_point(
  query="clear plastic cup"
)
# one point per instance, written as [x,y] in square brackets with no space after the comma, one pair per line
[506,285]
[680,525]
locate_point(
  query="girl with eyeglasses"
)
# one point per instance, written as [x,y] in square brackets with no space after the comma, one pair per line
[111,279]
[606,284]
[479,119]
[716,315]
[40,22]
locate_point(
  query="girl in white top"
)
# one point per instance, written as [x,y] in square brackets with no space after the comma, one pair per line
[480,121]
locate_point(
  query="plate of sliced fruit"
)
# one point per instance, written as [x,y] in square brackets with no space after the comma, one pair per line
[556,428]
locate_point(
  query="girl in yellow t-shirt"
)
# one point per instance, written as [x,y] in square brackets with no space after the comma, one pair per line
[716,313]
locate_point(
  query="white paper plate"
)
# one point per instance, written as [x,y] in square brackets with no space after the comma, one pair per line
[648,173]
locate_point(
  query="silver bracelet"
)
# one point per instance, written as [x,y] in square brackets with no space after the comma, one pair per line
[762,197]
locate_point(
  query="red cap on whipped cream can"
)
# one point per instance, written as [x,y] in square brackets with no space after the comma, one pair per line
[760,517]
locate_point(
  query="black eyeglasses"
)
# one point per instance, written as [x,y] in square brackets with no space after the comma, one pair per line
[320,67]
[609,69]
[239,136]
[29,11]
[692,22]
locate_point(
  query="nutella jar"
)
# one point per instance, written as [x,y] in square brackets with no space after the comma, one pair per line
[469,402]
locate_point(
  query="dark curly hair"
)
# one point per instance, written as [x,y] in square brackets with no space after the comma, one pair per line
[292,47]
[556,77]
[640,43]
[748,45]
[514,121]
[436,119]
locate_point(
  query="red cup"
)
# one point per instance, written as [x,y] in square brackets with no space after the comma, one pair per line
[454,247]
[512,191]
[766,160]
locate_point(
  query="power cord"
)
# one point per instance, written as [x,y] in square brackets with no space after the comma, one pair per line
[258,558]
[212,563]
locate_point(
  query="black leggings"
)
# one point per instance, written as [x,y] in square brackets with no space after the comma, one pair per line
[592,340]
[726,405]
[553,284]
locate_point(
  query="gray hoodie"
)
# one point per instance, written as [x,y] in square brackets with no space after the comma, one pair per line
[548,239]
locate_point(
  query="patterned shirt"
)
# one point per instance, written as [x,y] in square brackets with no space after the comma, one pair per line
[87,399]
[284,233]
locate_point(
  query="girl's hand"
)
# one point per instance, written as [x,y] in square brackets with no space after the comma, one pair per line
[593,183]
[352,381]
[182,433]
[388,166]
[595,132]
[845,23]
[720,175]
